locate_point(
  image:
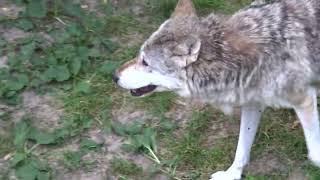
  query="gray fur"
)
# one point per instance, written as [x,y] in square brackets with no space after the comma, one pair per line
[266,53]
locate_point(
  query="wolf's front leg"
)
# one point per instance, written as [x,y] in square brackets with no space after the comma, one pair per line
[250,118]
[309,118]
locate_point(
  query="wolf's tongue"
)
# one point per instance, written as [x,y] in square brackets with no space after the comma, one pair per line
[143,90]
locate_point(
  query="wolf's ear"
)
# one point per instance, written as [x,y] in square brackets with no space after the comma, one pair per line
[191,51]
[184,8]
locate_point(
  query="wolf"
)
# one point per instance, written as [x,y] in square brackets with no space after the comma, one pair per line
[265,55]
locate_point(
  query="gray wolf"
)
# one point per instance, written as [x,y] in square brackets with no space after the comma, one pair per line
[265,55]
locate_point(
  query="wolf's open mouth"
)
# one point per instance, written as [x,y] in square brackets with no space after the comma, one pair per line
[143,90]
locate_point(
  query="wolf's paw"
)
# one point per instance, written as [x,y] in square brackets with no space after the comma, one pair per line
[226,175]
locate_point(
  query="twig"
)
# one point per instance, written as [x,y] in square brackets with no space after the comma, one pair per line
[99,121]
[32,148]
[60,20]
[154,155]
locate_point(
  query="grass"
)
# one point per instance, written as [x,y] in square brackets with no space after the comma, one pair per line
[203,7]
[77,68]
[125,167]
[192,151]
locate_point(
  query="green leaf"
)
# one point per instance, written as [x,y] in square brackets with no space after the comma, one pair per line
[130,147]
[27,50]
[43,175]
[145,140]
[118,128]
[17,82]
[15,61]
[32,169]
[42,137]
[88,144]
[73,9]
[86,122]
[75,29]
[75,66]
[27,172]
[139,141]
[60,36]
[61,133]
[134,128]
[110,45]
[94,53]
[73,159]
[109,67]
[52,60]
[65,52]
[2,42]
[83,52]
[17,158]
[59,73]
[83,87]
[21,131]
[150,136]
[12,98]
[36,8]
[92,22]
[19,2]
[37,163]
[167,125]
[25,24]
[22,78]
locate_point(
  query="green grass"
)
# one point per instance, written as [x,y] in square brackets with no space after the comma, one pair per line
[277,134]
[192,152]
[124,167]
[166,7]
[157,103]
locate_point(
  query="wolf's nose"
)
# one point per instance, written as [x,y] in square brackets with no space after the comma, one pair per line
[115,78]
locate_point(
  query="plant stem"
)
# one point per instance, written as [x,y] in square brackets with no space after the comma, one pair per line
[154,156]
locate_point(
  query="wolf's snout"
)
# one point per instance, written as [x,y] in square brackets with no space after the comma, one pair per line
[115,78]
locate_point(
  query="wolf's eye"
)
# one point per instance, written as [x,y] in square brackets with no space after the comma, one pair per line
[144,63]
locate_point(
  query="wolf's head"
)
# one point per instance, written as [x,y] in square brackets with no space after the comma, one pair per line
[163,58]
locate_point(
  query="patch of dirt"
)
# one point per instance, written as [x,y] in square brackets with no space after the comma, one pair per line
[13,34]
[220,126]
[97,171]
[9,10]
[80,175]
[45,110]
[90,5]
[4,122]
[266,164]
[4,166]
[3,61]
[182,111]
[129,114]
[220,130]
[101,160]
[113,144]
[136,7]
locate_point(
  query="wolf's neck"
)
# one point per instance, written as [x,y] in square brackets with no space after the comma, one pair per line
[223,67]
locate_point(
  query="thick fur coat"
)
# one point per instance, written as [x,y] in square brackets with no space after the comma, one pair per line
[264,55]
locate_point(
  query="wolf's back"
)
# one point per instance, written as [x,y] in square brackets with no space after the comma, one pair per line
[286,32]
